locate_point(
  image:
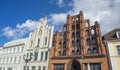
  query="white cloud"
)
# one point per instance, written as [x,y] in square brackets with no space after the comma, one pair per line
[105,11]
[60,3]
[20,30]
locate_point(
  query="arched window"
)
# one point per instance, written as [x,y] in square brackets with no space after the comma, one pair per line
[64,53]
[60,44]
[78,43]
[65,28]
[93,40]
[73,27]
[78,52]
[95,51]
[73,43]
[73,35]
[78,35]
[64,45]
[92,31]
[73,52]
[77,26]
[88,41]
[59,53]
[89,51]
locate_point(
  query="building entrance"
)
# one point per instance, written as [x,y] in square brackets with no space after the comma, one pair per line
[75,65]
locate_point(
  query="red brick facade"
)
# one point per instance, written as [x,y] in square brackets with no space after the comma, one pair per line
[78,47]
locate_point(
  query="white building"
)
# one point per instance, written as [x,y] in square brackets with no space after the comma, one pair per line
[38,44]
[11,55]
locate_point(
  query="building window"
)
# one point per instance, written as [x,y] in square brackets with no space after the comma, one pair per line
[86,66]
[59,53]
[73,35]
[15,60]
[73,43]
[92,32]
[39,67]
[60,44]
[46,55]
[89,51]
[22,49]
[33,68]
[31,43]
[77,26]
[38,43]
[118,34]
[95,51]
[64,45]
[95,66]
[45,41]
[65,29]
[93,40]
[64,53]
[41,55]
[19,60]
[58,66]
[8,69]
[118,49]
[73,52]
[78,43]
[35,56]
[88,41]
[78,52]
[78,35]
[73,27]
[44,68]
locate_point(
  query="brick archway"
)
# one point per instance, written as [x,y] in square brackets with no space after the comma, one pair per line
[73,64]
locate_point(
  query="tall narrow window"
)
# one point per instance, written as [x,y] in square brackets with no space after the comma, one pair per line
[64,53]
[35,56]
[89,51]
[95,51]
[59,53]
[44,68]
[61,36]
[38,43]
[39,67]
[73,52]
[45,41]
[46,55]
[73,35]
[33,68]
[73,43]
[93,40]
[86,66]
[78,43]
[118,49]
[41,55]
[88,41]
[78,52]
[31,43]
[64,44]
[78,35]
[73,27]
[77,26]
[65,28]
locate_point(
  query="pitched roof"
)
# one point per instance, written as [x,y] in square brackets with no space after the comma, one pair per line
[112,35]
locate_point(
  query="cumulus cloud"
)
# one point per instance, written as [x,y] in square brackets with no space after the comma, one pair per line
[105,11]
[20,30]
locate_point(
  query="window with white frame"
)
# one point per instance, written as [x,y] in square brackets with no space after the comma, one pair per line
[118,34]
[118,49]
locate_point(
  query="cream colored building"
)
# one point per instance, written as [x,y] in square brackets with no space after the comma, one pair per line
[112,40]
[11,55]
[39,42]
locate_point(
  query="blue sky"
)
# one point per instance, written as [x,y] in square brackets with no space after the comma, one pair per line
[19,17]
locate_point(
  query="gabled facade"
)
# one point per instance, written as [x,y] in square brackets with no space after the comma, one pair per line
[112,41]
[78,47]
[11,55]
[39,42]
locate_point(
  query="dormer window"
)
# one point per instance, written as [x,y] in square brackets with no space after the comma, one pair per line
[118,34]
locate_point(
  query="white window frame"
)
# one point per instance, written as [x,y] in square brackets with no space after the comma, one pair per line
[118,47]
[117,33]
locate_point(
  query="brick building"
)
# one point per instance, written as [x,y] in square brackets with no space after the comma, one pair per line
[78,47]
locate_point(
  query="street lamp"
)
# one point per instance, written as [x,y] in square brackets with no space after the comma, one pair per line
[26,59]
